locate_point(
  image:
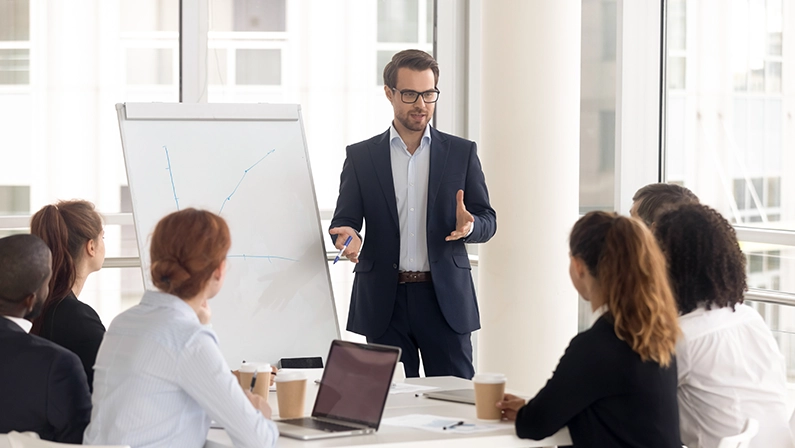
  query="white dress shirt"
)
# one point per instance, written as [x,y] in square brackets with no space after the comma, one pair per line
[25,324]
[730,368]
[159,379]
[410,177]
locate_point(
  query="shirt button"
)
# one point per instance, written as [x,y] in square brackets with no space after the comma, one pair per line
[411,259]
[411,234]
[394,266]
[411,184]
[411,209]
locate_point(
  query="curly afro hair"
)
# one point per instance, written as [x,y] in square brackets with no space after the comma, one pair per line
[706,266]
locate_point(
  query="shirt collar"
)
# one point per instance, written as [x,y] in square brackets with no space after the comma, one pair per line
[25,324]
[598,313]
[158,298]
[426,136]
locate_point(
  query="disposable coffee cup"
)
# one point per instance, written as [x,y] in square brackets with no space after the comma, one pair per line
[262,385]
[489,389]
[290,393]
[246,372]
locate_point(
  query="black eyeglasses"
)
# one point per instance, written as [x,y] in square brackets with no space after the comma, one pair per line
[411,96]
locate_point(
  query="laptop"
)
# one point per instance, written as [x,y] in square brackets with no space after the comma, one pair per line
[466,396]
[352,393]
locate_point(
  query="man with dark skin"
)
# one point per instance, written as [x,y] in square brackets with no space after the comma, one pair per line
[43,386]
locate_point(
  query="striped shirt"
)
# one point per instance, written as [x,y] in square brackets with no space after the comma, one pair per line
[159,379]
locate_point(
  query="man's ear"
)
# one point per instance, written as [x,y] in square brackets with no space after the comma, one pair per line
[389,93]
[29,302]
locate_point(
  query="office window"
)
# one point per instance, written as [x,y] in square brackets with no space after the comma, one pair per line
[14,200]
[402,24]
[14,42]
[150,66]
[255,67]
[598,105]
[247,50]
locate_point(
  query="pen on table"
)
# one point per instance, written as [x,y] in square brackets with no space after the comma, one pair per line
[453,425]
[344,246]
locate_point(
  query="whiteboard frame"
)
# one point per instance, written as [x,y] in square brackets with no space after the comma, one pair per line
[220,112]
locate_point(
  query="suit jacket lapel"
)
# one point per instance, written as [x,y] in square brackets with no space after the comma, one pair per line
[440,148]
[382,162]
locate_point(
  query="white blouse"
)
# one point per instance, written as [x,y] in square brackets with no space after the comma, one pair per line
[730,368]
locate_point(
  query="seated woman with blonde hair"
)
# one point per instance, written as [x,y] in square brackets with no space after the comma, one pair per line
[615,385]
[160,376]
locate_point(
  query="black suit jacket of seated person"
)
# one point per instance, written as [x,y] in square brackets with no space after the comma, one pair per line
[74,325]
[606,395]
[43,387]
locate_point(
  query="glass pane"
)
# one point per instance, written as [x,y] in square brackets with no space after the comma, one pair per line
[769,266]
[735,128]
[150,66]
[217,66]
[14,20]
[14,66]
[597,105]
[149,15]
[429,19]
[677,25]
[398,20]
[773,76]
[258,67]
[248,15]
[676,73]
[774,27]
[383,58]
[14,200]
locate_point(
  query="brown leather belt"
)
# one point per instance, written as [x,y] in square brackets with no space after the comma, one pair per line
[414,277]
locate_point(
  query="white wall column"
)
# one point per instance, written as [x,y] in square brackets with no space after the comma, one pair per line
[530,138]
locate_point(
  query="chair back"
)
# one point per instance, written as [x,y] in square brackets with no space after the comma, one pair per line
[31,440]
[742,440]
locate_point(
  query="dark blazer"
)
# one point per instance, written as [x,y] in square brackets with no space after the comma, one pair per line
[367,193]
[43,387]
[74,325]
[606,395]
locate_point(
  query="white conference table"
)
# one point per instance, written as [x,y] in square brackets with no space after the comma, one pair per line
[401,437]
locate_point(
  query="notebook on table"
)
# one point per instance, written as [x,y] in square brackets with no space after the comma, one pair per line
[466,396]
[352,393]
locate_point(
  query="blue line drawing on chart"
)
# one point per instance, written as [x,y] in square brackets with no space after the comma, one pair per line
[228,198]
[171,174]
[268,257]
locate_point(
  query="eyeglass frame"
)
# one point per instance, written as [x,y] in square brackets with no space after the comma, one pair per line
[419,94]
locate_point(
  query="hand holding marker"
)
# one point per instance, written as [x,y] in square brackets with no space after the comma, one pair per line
[344,246]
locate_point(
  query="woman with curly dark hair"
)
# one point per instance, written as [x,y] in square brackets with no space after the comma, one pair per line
[729,366]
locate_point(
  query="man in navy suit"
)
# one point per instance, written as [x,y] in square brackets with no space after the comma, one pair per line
[43,386]
[422,195]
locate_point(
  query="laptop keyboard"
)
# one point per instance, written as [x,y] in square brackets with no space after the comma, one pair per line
[320,425]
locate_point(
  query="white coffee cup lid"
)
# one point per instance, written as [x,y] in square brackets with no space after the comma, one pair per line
[263,367]
[283,377]
[489,378]
[248,367]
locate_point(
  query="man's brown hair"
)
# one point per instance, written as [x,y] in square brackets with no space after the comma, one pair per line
[417,60]
[656,199]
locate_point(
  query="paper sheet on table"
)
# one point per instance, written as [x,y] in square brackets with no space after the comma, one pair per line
[405,388]
[436,423]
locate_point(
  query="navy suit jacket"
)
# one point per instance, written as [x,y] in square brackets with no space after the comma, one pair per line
[43,387]
[367,193]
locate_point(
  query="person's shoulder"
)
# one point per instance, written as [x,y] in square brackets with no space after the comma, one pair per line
[49,350]
[365,144]
[455,141]
[72,306]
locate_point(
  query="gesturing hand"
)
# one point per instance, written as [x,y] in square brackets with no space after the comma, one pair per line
[352,252]
[463,219]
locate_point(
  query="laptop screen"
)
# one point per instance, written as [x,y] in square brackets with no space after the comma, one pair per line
[356,382]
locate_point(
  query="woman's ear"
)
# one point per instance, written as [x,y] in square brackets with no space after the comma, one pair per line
[578,266]
[91,248]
